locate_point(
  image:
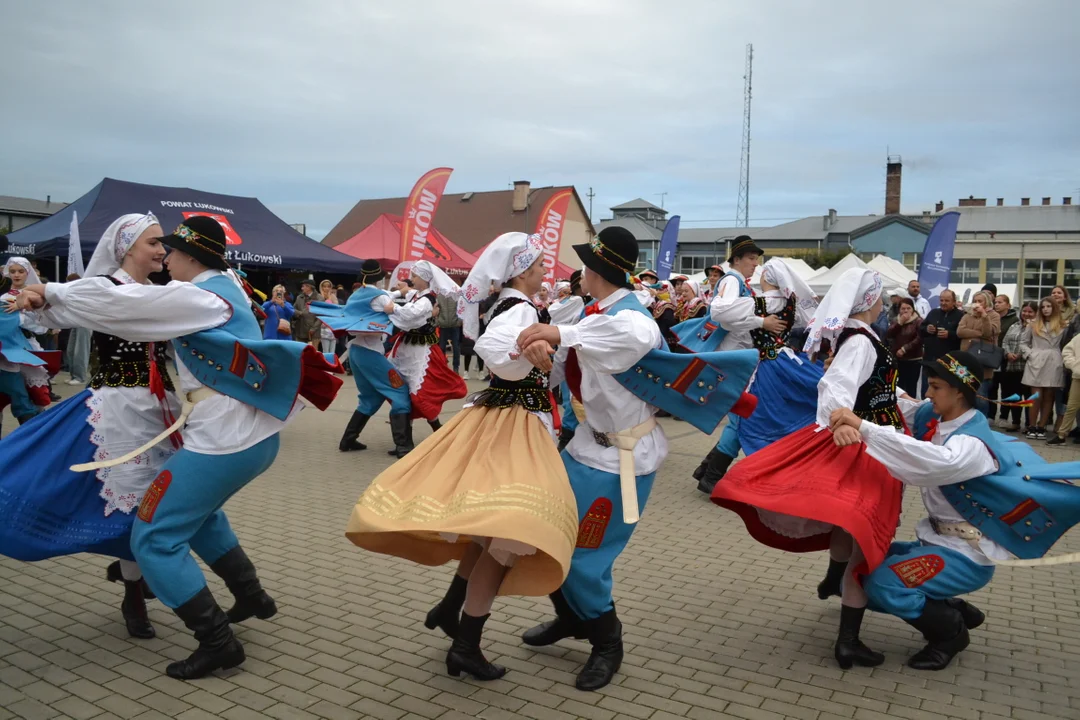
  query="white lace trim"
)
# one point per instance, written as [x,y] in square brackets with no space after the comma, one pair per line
[411,362]
[791,526]
[123,486]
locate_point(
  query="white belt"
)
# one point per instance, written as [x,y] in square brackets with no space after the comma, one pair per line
[625,440]
[972,535]
[192,399]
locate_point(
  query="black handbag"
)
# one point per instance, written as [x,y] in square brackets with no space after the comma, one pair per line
[989,355]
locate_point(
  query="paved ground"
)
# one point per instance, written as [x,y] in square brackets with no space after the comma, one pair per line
[716,626]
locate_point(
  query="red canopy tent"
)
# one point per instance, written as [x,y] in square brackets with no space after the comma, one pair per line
[381,240]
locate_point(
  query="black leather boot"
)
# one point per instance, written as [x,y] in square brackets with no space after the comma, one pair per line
[849,649]
[114,574]
[943,627]
[356,425]
[401,432]
[973,616]
[218,648]
[566,624]
[830,586]
[715,470]
[699,472]
[447,614]
[565,436]
[605,634]
[435,424]
[240,577]
[134,611]
[465,655]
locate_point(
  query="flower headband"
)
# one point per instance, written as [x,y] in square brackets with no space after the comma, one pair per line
[960,372]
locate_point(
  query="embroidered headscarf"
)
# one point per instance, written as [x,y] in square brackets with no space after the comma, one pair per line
[31,276]
[506,257]
[856,291]
[116,241]
[684,307]
[776,272]
[439,282]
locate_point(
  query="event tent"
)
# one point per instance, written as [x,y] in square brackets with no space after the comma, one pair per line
[824,280]
[891,270]
[256,237]
[381,240]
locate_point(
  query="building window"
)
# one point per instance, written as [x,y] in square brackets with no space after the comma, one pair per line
[691,264]
[1001,272]
[912,261]
[1072,279]
[965,271]
[644,259]
[1040,277]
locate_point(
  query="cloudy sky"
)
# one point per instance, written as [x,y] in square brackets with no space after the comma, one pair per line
[313,106]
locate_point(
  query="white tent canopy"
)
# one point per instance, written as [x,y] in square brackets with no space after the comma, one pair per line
[824,280]
[893,273]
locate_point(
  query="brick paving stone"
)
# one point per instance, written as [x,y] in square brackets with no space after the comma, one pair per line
[716,626]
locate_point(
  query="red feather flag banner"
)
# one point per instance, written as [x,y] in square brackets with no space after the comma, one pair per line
[419,213]
[549,226]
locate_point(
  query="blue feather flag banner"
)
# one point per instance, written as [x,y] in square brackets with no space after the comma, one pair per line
[669,243]
[936,266]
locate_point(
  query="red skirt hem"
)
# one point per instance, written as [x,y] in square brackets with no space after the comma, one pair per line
[806,475]
[440,384]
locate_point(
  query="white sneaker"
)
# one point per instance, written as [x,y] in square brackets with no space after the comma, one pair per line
[465,375]
[73,381]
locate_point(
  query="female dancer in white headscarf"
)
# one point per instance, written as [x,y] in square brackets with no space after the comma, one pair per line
[48,510]
[812,490]
[20,273]
[490,489]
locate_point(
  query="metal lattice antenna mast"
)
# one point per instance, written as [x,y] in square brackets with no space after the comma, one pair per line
[742,212]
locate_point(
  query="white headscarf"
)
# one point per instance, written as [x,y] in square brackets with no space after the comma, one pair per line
[506,257]
[856,291]
[560,286]
[116,241]
[776,272]
[437,280]
[31,276]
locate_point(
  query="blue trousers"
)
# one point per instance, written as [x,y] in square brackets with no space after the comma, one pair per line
[375,382]
[729,439]
[569,419]
[13,385]
[602,535]
[913,572]
[181,513]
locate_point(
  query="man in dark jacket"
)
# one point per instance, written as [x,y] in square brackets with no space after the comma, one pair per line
[305,325]
[1003,307]
[939,330]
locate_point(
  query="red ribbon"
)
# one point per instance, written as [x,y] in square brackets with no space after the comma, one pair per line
[157,389]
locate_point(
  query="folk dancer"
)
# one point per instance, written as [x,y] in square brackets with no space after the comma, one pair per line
[733,317]
[415,352]
[785,383]
[613,459]
[240,392]
[364,318]
[33,377]
[811,491]
[50,510]
[489,489]
[988,499]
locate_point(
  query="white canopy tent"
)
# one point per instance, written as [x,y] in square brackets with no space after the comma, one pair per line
[824,280]
[894,274]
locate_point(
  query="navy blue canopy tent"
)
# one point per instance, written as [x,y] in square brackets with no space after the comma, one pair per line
[256,236]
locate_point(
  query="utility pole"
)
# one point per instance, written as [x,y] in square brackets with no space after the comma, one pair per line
[661,196]
[590,195]
[742,210]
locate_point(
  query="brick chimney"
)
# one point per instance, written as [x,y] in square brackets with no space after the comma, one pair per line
[1024,202]
[1046,201]
[939,206]
[1066,201]
[1001,202]
[893,170]
[972,201]
[521,196]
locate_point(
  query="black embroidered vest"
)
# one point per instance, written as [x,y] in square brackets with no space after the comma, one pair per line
[876,400]
[768,344]
[427,334]
[122,363]
[531,392]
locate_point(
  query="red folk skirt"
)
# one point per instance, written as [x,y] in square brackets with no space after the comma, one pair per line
[440,384]
[806,476]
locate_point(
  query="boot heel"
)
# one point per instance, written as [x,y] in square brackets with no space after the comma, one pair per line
[844,662]
[453,670]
